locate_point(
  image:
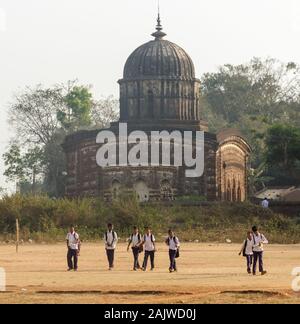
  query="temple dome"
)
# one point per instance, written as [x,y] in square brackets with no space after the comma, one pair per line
[159,58]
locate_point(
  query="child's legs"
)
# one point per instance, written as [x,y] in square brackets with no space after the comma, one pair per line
[249,262]
[110,257]
[172,255]
[69,258]
[255,257]
[261,263]
[171,259]
[152,254]
[136,257]
[147,254]
[75,257]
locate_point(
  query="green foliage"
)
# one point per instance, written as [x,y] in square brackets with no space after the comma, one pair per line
[283,153]
[41,118]
[257,180]
[77,111]
[24,167]
[14,163]
[283,146]
[252,97]
[45,219]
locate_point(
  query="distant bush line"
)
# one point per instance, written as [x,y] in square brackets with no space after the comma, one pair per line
[43,219]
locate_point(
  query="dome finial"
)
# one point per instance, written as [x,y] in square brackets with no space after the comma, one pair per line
[159,34]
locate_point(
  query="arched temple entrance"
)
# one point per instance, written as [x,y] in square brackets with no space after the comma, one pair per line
[142,191]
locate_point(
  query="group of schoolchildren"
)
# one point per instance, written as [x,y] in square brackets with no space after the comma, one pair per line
[252,249]
[138,242]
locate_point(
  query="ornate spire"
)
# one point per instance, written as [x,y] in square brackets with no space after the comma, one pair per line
[159,34]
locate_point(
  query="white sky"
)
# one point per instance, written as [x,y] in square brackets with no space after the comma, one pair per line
[52,41]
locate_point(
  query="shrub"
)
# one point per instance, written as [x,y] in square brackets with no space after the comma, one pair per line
[44,219]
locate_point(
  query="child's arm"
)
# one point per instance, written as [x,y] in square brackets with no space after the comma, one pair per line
[265,241]
[242,248]
[129,243]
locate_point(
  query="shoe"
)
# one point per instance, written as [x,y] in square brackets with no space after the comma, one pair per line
[249,271]
[263,273]
[134,269]
[170,270]
[254,274]
[143,269]
[69,269]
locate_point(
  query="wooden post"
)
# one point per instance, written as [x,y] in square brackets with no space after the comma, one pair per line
[17,235]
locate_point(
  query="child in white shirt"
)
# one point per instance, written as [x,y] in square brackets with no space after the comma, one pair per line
[247,250]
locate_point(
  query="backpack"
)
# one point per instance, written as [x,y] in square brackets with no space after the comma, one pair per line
[152,240]
[174,239]
[139,237]
[141,248]
[113,234]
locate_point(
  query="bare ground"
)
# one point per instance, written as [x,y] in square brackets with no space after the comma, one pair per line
[208,273]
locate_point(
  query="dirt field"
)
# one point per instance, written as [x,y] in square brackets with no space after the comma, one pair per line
[208,273]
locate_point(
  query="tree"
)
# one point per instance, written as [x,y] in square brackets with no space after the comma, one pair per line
[33,114]
[55,166]
[34,117]
[76,113]
[252,97]
[257,180]
[283,146]
[262,88]
[24,168]
[105,111]
[41,118]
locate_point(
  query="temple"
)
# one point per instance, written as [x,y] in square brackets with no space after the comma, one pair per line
[159,91]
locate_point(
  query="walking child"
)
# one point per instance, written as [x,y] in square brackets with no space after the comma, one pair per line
[173,242]
[149,244]
[135,243]
[247,250]
[110,239]
[258,250]
[73,244]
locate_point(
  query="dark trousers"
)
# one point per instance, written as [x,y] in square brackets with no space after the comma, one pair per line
[172,255]
[147,255]
[72,258]
[110,257]
[258,256]
[249,260]
[136,253]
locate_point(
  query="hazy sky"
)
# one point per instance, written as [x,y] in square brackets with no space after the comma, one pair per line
[52,41]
